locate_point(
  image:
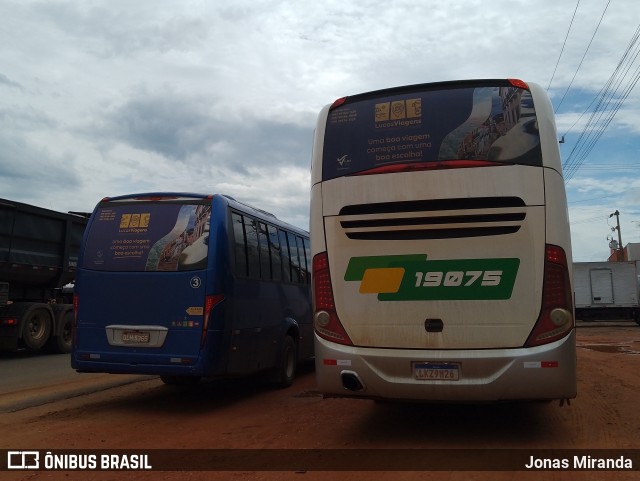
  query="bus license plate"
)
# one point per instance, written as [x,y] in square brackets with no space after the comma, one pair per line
[135,337]
[429,371]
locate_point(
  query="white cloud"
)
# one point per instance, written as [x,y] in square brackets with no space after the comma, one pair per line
[111,97]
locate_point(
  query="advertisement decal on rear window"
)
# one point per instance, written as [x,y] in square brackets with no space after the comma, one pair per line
[149,237]
[496,124]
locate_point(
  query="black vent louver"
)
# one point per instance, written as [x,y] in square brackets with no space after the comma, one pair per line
[433,218]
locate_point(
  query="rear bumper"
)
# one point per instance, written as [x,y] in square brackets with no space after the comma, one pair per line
[96,355]
[540,373]
[105,363]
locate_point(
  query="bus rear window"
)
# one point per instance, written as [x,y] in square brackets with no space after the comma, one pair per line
[476,124]
[158,236]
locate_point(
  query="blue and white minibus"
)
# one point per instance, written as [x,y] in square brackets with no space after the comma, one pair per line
[188,286]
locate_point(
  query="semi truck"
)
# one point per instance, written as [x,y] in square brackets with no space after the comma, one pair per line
[606,290]
[38,259]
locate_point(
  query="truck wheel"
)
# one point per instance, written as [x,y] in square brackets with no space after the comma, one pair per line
[61,343]
[286,371]
[36,328]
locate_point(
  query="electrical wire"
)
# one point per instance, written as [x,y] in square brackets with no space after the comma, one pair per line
[563,45]
[634,167]
[593,198]
[609,101]
[590,220]
[584,55]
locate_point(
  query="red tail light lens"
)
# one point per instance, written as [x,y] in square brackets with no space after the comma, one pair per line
[325,318]
[338,103]
[74,327]
[209,303]
[75,304]
[556,316]
[155,198]
[435,165]
[519,83]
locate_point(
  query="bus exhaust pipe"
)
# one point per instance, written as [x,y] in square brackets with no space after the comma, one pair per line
[351,381]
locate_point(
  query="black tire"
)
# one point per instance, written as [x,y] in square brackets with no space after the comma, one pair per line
[287,364]
[61,343]
[36,327]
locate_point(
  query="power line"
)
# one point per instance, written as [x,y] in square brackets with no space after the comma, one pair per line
[590,220]
[563,45]
[609,101]
[634,166]
[583,56]
[593,198]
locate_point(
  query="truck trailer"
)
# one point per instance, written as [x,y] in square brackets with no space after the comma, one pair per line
[606,290]
[38,259]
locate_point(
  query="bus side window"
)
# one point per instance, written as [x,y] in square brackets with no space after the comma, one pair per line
[240,245]
[265,256]
[295,260]
[286,259]
[253,255]
[307,257]
[304,269]
[276,258]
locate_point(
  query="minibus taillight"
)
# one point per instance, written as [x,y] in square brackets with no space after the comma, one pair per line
[556,316]
[74,326]
[209,303]
[155,198]
[338,103]
[325,318]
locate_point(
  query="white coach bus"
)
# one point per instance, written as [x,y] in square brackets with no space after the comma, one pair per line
[441,245]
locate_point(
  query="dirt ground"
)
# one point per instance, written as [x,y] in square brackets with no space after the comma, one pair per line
[228,415]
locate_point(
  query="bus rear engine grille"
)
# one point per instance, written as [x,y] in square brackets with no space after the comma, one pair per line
[433,219]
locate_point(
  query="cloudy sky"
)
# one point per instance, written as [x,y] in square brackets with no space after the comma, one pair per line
[107,97]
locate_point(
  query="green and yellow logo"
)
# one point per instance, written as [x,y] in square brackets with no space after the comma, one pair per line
[414,278]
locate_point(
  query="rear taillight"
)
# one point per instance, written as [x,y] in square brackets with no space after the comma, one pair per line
[434,165]
[155,198]
[556,316]
[209,303]
[521,84]
[325,319]
[338,103]
[74,326]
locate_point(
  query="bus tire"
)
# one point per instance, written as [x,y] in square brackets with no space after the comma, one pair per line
[287,364]
[36,326]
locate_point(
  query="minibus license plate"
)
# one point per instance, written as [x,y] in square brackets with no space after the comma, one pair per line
[428,371]
[135,337]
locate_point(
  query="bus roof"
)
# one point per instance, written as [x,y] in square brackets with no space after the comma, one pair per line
[227,199]
[449,84]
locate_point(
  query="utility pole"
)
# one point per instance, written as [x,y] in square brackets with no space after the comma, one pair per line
[620,253]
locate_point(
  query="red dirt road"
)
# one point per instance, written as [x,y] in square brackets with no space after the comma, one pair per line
[147,415]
